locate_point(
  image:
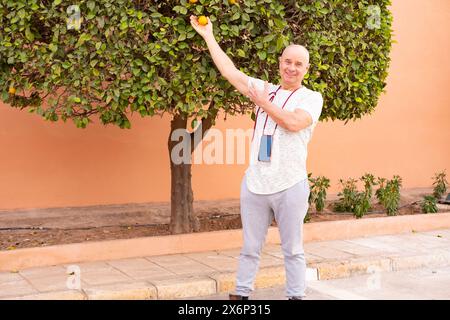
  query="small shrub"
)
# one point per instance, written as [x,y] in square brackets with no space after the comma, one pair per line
[318,193]
[388,194]
[428,204]
[361,205]
[440,185]
[369,183]
[353,201]
[363,199]
[348,196]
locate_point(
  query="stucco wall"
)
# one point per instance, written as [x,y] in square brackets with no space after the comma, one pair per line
[44,164]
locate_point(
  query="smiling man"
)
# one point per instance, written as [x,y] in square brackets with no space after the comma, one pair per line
[276,181]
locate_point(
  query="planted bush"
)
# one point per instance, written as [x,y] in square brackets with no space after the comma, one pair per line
[348,196]
[440,185]
[388,194]
[369,182]
[429,205]
[361,205]
[318,194]
[354,201]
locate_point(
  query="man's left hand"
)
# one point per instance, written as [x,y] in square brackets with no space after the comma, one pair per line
[260,97]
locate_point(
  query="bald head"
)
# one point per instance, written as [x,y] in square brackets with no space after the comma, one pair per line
[294,64]
[297,50]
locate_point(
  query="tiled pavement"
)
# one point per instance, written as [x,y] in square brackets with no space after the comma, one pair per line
[213,272]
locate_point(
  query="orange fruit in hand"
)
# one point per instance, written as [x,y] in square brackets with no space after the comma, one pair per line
[12,90]
[203,21]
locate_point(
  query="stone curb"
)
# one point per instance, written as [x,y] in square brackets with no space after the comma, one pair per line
[210,241]
[220,282]
[344,269]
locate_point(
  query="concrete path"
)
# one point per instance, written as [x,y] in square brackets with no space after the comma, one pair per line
[417,284]
[213,273]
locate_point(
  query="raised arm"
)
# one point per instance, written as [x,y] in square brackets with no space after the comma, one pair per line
[238,79]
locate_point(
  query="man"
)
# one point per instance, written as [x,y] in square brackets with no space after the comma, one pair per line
[276,182]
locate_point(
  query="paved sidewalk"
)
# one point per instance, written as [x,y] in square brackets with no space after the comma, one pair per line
[429,283]
[208,273]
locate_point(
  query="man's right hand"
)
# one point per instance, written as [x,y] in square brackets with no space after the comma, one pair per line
[204,31]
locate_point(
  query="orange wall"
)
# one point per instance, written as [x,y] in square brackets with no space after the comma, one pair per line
[44,164]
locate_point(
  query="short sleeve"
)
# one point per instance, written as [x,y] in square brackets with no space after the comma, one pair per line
[313,105]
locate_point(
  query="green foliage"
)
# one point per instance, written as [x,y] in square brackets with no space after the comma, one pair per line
[429,205]
[143,56]
[440,185]
[388,194]
[353,200]
[347,196]
[369,181]
[318,192]
[349,51]
[132,56]
[361,205]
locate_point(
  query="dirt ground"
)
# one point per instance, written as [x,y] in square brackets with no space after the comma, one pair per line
[45,227]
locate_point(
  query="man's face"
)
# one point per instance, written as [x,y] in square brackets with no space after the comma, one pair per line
[293,66]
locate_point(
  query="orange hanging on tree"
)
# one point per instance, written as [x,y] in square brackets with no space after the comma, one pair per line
[202,20]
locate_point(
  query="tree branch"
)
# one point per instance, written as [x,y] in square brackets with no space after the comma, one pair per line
[206,124]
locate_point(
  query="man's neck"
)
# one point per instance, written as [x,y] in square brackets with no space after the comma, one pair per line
[291,87]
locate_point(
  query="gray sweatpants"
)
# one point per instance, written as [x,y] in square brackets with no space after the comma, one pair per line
[257,211]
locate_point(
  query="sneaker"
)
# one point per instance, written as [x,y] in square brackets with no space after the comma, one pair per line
[296,298]
[237,297]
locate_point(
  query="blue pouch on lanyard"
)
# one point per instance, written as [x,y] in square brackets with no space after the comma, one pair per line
[265,148]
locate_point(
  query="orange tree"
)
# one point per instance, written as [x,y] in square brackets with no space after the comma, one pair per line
[110,58]
[143,56]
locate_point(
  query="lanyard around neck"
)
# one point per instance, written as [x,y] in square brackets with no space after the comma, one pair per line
[271,97]
[273,94]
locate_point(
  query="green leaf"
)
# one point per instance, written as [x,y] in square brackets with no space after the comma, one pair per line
[123,25]
[101,22]
[83,37]
[53,47]
[28,34]
[262,55]
[91,5]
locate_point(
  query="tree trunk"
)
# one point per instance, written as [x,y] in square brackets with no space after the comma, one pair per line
[182,218]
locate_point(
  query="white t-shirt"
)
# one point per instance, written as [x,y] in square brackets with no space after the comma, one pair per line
[287,164]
